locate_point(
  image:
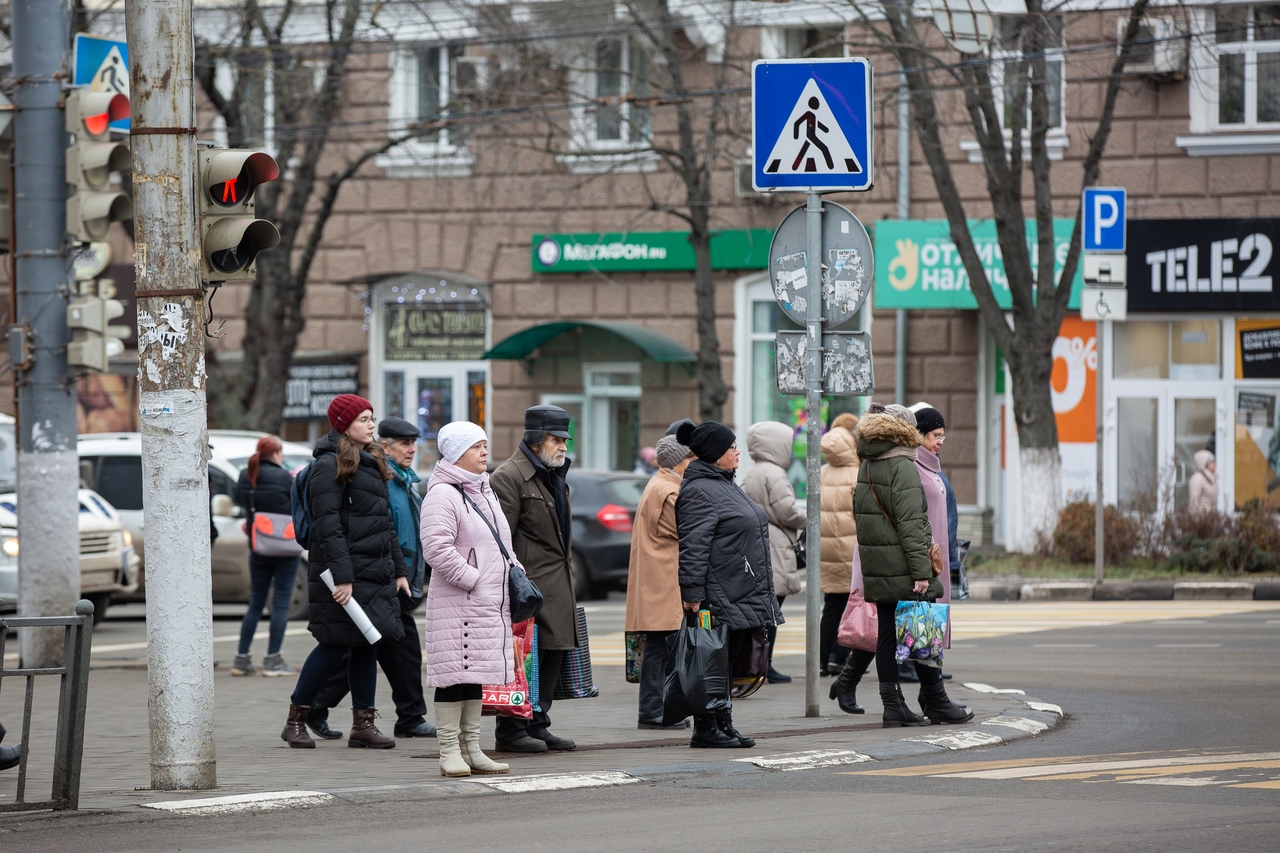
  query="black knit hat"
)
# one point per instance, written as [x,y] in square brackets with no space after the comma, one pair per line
[928,419]
[709,440]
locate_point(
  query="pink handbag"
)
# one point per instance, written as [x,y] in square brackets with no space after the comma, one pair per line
[859,626]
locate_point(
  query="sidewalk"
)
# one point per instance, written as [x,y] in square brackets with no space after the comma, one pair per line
[252,760]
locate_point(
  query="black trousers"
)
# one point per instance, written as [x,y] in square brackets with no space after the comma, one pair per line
[401,662]
[549,663]
[653,669]
[833,604]
[771,633]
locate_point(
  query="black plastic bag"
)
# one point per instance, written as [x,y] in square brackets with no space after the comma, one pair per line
[697,676]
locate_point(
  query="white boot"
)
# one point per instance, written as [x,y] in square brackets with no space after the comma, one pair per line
[479,762]
[448,730]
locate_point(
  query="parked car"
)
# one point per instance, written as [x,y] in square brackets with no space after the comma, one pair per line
[108,563]
[604,506]
[112,463]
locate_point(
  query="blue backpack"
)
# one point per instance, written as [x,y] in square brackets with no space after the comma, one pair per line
[302,522]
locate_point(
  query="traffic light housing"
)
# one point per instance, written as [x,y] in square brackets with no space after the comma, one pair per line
[93,339]
[91,161]
[230,235]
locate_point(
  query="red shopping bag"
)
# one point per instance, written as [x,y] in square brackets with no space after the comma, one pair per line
[512,699]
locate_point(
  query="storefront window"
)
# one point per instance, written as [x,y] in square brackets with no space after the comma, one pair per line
[1139,474]
[1257,446]
[1157,349]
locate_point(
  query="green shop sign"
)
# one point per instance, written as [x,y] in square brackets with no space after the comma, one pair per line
[647,251]
[917,265]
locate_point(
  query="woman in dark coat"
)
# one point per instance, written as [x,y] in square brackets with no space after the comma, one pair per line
[354,538]
[894,535]
[724,557]
[264,487]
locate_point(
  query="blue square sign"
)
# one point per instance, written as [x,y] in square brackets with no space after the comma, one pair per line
[811,124]
[1103,219]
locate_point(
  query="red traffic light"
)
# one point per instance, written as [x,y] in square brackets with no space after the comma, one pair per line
[100,109]
[254,169]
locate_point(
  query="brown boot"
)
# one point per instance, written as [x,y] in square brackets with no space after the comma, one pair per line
[364,733]
[295,729]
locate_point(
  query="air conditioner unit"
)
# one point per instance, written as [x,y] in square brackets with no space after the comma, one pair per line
[1159,49]
[470,77]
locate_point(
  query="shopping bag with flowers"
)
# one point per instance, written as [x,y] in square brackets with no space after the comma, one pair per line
[922,626]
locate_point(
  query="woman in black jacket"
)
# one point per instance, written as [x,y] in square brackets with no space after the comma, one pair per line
[353,537]
[264,487]
[724,557]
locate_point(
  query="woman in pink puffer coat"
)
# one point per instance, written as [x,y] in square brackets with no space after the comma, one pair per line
[468,625]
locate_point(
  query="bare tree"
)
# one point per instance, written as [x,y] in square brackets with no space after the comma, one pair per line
[1001,117]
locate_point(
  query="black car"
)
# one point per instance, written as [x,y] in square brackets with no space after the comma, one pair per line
[604,505]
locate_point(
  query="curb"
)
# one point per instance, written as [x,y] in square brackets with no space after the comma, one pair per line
[1027,718]
[1016,590]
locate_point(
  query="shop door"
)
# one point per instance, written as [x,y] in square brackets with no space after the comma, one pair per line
[1152,443]
[433,394]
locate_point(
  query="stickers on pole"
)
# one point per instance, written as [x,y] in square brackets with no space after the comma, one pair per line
[846,363]
[847,265]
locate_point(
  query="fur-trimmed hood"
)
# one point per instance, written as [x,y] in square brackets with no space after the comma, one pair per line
[881,433]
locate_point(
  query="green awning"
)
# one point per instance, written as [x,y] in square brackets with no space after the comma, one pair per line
[654,344]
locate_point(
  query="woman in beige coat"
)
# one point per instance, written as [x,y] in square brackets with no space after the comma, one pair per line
[769,444]
[839,536]
[653,584]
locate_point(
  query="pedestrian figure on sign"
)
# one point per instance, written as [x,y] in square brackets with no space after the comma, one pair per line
[810,120]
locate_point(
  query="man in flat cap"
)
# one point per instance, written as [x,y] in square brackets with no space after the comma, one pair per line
[535,499]
[401,660]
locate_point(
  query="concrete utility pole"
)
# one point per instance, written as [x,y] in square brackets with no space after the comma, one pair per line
[173,409]
[48,469]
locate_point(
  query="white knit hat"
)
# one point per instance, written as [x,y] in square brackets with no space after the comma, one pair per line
[457,438]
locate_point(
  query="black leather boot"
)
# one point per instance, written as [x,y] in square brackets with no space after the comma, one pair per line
[938,707]
[844,689]
[896,712]
[707,734]
[725,722]
[318,722]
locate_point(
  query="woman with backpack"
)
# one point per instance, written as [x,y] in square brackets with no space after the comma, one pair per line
[264,488]
[353,538]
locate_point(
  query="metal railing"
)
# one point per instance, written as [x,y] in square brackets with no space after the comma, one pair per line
[73,697]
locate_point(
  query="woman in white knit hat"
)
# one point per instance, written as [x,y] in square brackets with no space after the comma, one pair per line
[468,625]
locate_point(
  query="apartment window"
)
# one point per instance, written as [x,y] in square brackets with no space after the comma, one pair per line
[1012,34]
[248,82]
[430,84]
[1248,43]
[620,74]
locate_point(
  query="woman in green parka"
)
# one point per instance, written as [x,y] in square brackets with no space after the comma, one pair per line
[893,538]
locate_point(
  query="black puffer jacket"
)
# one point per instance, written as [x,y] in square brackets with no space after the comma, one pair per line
[270,495]
[354,538]
[724,550]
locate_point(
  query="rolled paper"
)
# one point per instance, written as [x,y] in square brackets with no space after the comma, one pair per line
[355,611]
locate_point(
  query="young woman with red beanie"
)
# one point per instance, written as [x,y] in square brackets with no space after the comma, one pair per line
[353,537]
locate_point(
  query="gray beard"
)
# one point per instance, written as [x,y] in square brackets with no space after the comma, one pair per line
[549,459]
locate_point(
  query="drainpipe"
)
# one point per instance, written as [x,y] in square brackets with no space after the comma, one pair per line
[904,212]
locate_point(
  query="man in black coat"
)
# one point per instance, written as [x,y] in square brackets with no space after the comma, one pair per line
[401,660]
[534,496]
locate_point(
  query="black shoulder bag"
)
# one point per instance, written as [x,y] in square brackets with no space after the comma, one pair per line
[526,598]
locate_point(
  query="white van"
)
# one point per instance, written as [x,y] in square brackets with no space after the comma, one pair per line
[108,563]
[112,464]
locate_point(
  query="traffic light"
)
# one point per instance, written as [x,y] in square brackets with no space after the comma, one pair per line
[230,236]
[93,339]
[91,160]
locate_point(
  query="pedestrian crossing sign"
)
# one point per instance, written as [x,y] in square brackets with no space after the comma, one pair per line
[811,124]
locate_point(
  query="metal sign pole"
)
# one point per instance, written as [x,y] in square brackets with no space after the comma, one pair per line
[813,458]
[1099,328]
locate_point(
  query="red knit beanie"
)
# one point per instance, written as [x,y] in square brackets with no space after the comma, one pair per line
[345,408]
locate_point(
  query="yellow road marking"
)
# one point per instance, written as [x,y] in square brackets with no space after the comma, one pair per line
[1077,768]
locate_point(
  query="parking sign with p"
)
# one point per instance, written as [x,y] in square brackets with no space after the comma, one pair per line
[1103,214]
